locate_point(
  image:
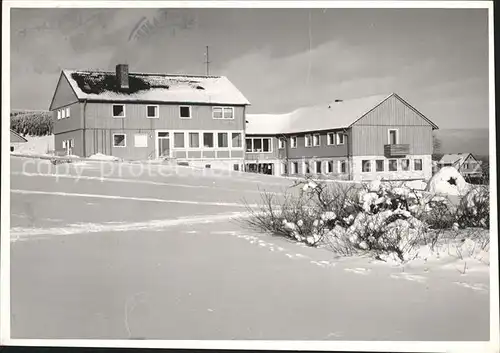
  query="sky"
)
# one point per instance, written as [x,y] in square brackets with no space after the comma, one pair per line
[280,59]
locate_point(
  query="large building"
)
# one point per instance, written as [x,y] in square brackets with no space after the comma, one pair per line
[141,116]
[359,139]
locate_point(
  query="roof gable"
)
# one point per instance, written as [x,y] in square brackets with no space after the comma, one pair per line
[454,158]
[64,94]
[144,87]
[394,111]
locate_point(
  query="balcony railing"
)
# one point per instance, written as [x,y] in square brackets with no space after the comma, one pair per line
[397,150]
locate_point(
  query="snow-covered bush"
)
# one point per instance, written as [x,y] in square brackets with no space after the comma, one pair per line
[381,219]
[474,208]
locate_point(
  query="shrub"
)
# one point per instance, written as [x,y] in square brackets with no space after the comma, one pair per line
[32,123]
[381,219]
[474,208]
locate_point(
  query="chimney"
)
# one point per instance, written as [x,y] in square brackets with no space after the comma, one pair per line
[122,76]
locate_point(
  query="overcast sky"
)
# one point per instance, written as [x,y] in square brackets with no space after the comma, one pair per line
[281,59]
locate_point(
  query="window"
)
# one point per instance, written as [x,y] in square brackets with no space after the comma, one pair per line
[417,164]
[185,112]
[58,114]
[393,137]
[294,166]
[329,167]
[118,111]
[316,140]
[284,168]
[119,140]
[293,142]
[223,112]
[222,141]
[208,139]
[266,145]
[340,138]
[342,167]
[236,140]
[366,166]
[67,112]
[281,143]
[236,167]
[141,140]
[307,169]
[152,111]
[178,140]
[228,113]
[68,143]
[217,112]
[380,165]
[330,138]
[63,113]
[307,141]
[405,165]
[318,167]
[393,165]
[194,140]
[257,145]
[249,145]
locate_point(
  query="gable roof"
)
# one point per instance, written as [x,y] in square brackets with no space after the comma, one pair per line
[336,115]
[146,87]
[455,158]
[15,137]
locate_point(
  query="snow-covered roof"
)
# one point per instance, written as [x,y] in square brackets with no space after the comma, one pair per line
[145,87]
[15,137]
[335,115]
[454,158]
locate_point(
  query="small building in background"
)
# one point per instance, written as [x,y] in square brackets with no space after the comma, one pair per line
[15,140]
[466,164]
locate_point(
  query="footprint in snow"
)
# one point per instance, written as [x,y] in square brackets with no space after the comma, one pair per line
[409,277]
[358,270]
[473,286]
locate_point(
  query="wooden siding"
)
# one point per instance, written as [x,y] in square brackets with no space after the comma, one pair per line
[76,135]
[99,115]
[74,122]
[101,141]
[63,95]
[370,140]
[323,150]
[392,112]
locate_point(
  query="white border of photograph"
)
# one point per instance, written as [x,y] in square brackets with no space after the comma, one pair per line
[272,345]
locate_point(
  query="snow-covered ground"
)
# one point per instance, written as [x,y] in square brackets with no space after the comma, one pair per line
[157,256]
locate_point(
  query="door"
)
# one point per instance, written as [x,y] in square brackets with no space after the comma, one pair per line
[163,145]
